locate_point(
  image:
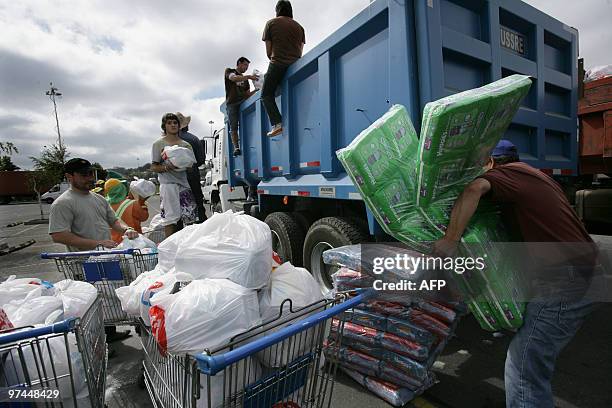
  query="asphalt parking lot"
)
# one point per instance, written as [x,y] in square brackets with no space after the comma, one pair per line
[470,370]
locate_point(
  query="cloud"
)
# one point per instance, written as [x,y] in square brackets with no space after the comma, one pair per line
[121,65]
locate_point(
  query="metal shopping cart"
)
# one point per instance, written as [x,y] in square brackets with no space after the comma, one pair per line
[279,364]
[107,271]
[61,363]
[156,235]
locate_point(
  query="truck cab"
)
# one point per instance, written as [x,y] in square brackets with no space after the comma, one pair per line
[216,189]
[54,192]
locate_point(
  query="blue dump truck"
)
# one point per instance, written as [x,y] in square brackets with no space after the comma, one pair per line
[406,52]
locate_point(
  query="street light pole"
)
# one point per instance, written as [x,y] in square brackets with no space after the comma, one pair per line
[52,93]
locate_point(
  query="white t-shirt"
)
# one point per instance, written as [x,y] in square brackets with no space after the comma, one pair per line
[169,177]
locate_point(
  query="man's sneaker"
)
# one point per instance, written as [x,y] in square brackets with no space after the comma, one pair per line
[237,152]
[276,130]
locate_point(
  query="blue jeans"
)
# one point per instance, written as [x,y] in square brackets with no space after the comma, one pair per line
[531,357]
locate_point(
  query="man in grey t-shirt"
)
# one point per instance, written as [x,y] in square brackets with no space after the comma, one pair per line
[80,219]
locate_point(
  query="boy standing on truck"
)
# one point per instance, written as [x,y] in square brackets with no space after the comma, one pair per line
[237,89]
[536,210]
[285,39]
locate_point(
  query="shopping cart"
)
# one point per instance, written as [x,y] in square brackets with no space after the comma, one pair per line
[155,235]
[64,363]
[107,271]
[279,364]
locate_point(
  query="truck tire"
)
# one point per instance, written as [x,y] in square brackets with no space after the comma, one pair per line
[305,219]
[49,200]
[327,233]
[287,237]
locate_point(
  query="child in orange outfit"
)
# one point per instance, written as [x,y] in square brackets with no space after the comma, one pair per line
[131,209]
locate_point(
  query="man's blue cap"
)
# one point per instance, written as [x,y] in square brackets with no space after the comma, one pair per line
[505,148]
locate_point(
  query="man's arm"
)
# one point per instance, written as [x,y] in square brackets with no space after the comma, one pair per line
[120,227]
[269,49]
[70,239]
[240,78]
[162,168]
[463,210]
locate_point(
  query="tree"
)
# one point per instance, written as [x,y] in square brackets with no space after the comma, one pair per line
[8,148]
[51,162]
[6,164]
[39,181]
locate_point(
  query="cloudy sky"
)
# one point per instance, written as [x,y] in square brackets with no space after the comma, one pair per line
[121,64]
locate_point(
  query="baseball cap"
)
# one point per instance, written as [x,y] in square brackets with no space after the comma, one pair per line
[77,165]
[505,148]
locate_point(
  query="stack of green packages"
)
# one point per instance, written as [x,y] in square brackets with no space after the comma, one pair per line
[410,185]
[382,163]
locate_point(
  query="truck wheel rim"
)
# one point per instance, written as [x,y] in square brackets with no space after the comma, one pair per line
[321,272]
[278,247]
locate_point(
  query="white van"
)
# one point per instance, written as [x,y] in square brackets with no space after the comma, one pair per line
[55,192]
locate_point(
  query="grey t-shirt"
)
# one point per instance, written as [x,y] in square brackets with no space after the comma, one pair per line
[169,177]
[86,215]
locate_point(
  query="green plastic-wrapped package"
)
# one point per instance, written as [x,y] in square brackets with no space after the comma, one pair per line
[381,161]
[502,288]
[459,132]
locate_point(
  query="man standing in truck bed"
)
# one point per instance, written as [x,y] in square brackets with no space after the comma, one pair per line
[536,210]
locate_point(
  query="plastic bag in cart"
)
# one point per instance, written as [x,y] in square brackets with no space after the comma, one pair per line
[76,297]
[130,296]
[162,285]
[166,251]
[204,314]
[17,289]
[43,357]
[155,224]
[32,310]
[238,376]
[297,284]
[141,242]
[230,246]
[5,322]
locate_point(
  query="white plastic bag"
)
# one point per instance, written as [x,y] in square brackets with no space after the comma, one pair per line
[144,188]
[204,314]
[258,83]
[50,354]
[129,296]
[180,157]
[17,289]
[230,246]
[297,284]
[5,322]
[32,310]
[288,282]
[244,372]
[156,223]
[76,297]
[166,251]
[141,242]
[162,285]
